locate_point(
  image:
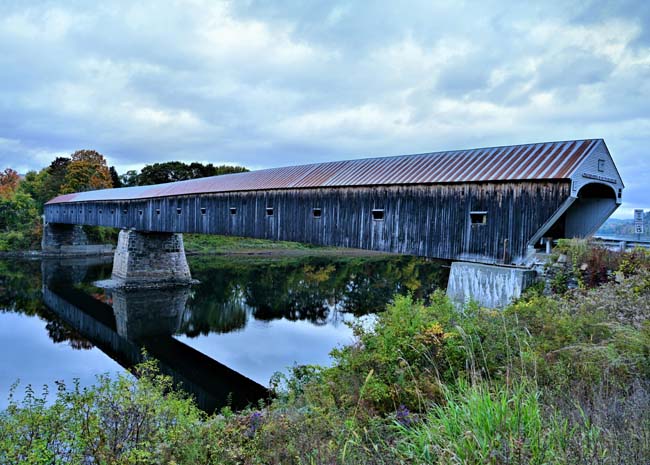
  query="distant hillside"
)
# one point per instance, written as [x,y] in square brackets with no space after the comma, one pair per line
[618,227]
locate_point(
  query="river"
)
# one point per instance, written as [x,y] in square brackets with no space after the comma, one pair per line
[221,339]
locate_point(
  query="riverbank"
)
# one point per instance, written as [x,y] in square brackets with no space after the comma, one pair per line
[199,244]
[553,379]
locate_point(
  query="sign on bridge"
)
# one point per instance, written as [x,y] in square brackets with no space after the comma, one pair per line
[638,221]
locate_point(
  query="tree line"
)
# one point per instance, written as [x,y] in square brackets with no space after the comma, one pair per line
[22,198]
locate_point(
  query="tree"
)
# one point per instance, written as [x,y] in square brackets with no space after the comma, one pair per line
[129,179]
[53,179]
[34,185]
[161,173]
[87,171]
[19,222]
[9,180]
[115,179]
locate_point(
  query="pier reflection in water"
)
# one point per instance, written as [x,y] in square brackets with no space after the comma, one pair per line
[241,306]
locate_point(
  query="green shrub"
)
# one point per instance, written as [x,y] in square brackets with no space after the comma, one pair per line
[116,421]
[400,360]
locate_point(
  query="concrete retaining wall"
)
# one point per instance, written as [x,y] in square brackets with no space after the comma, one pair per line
[490,286]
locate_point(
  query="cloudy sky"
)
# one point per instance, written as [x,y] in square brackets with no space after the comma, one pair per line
[264,84]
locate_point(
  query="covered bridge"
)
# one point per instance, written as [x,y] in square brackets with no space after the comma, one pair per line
[488,205]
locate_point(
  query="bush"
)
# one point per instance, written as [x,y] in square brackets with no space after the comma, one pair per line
[401,360]
[116,421]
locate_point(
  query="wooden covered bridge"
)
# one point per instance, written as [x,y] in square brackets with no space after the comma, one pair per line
[489,205]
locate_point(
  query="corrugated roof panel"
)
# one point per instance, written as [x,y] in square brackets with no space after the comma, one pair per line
[553,167]
[457,167]
[514,171]
[559,153]
[496,160]
[554,160]
[575,159]
[442,162]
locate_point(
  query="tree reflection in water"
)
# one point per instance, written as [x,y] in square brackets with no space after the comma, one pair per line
[316,289]
[234,290]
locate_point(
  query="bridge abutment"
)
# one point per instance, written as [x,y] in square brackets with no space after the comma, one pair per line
[145,259]
[69,240]
[490,286]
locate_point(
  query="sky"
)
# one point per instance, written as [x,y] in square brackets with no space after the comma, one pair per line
[264,84]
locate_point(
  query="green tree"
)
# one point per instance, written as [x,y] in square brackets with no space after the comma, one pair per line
[53,179]
[115,178]
[129,179]
[171,171]
[19,222]
[87,171]
[35,185]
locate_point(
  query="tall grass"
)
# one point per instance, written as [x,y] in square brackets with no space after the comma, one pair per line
[477,424]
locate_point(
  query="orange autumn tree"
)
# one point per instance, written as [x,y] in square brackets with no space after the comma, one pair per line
[86,171]
[9,180]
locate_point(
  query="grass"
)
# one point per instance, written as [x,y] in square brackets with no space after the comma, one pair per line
[210,244]
[477,424]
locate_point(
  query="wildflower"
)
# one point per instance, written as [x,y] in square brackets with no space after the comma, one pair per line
[254,422]
[403,415]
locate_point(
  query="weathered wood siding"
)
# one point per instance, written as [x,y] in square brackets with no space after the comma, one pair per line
[431,221]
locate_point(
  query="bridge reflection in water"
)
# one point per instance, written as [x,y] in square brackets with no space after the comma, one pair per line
[145,319]
[234,296]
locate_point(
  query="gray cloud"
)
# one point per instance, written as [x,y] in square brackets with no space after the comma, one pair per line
[275,83]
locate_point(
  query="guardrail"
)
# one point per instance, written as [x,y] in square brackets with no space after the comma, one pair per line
[621,244]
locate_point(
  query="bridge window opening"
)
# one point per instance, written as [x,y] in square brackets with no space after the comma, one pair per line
[112,212]
[233,211]
[178,211]
[203,210]
[601,165]
[269,211]
[478,217]
[378,214]
[157,211]
[140,212]
[125,211]
[620,193]
[317,212]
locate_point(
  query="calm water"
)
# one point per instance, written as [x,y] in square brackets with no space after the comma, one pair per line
[248,318]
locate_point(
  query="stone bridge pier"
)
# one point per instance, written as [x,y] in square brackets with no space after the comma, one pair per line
[69,240]
[148,259]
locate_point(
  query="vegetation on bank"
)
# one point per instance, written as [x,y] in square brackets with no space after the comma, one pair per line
[552,379]
[212,244]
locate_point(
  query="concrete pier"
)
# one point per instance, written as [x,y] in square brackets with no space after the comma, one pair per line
[150,260]
[490,286]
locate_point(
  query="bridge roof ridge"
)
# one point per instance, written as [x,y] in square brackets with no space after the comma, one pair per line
[547,160]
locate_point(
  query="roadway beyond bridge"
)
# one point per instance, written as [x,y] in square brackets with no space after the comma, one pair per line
[487,209]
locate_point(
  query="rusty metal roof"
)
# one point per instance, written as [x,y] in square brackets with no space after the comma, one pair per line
[551,160]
